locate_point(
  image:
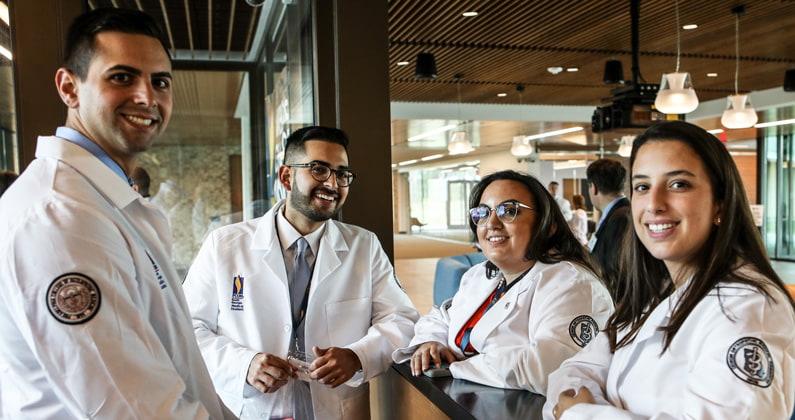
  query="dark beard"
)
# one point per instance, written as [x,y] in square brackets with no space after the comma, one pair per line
[302,203]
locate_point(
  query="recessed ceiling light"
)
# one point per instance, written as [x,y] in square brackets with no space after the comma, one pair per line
[712,74]
[690,26]
[555,70]
[502,94]
[403,63]
[572,69]
[469,14]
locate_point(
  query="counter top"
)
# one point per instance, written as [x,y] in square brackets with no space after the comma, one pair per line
[461,399]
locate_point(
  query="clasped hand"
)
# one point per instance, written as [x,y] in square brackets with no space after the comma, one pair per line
[332,366]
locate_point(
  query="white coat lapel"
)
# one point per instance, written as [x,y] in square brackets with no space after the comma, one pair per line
[504,307]
[267,241]
[465,305]
[332,245]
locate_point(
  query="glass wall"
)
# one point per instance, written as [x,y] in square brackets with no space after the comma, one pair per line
[778,175]
[439,197]
[8,130]
[289,93]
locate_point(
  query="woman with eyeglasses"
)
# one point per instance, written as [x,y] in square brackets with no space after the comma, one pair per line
[704,329]
[535,302]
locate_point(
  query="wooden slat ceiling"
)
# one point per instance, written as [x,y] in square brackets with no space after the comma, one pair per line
[512,42]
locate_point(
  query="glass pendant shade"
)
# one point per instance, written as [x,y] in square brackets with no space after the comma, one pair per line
[459,143]
[521,147]
[676,94]
[625,148]
[739,112]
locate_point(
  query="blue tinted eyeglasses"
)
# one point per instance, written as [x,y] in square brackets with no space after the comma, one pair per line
[506,212]
[322,173]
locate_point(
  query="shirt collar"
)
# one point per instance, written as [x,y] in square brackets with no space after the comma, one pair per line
[288,234]
[81,140]
[607,210]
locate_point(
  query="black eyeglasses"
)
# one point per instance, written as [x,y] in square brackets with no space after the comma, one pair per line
[322,172]
[506,211]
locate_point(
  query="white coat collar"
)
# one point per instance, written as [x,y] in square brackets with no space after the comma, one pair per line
[332,245]
[102,177]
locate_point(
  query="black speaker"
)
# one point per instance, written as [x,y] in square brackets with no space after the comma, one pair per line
[789,81]
[614,73]
[426,66]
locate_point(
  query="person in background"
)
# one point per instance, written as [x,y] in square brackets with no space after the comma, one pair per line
[606,178]
[705,328]
[141,181]
[296,282]
[563,204]
[579,219]
[6,179]
[535,302]
[95,323]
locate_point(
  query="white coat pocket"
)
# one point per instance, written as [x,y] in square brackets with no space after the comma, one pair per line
[347,320]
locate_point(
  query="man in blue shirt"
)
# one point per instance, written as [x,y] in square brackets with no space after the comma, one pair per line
[606,180]
[95,320]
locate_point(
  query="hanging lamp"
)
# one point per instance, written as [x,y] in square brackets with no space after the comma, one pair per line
[459,141]
[739,112]
[521,146]
[676,94]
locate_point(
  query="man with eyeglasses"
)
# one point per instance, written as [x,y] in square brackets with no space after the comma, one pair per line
[251,311]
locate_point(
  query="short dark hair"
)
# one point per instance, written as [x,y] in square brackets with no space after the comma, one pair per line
[141,178]
[295,143]
[608,175]
[84,29]
[6,179]
[552,240]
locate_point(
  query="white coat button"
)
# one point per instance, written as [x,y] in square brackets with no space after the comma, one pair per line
[287,328]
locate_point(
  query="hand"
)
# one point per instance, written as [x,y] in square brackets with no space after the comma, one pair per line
[427,352]
[268,373]
[568,398]
[334,365]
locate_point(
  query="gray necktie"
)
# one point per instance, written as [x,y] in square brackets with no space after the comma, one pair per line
[302,274]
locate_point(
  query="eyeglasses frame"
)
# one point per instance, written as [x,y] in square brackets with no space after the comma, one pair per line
[336,172]
[491,210]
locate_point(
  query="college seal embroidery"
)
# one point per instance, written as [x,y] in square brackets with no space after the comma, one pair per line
[583,329]
[73,298]
[750,360]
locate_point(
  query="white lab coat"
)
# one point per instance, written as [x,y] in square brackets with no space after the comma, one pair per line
[694,378]
[136,356]
[534,327]
[355,302]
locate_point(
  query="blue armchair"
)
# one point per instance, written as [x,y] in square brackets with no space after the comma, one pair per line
[449,271]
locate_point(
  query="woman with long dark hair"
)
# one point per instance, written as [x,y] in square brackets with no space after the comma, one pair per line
[704,329]
[535,302]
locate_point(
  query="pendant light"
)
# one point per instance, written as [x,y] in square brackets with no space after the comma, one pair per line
[521,146]
[676,94]
[739,112]
[459,141]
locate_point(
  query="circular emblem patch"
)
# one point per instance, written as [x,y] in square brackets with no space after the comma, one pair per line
[73,298]
[583,329]
[750,360]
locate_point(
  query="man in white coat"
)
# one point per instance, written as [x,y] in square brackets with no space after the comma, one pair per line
[350,317]
[95,323]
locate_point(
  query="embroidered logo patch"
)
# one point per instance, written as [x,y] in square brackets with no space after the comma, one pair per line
[73,298]
[750,360]
[583,329]
[237,293]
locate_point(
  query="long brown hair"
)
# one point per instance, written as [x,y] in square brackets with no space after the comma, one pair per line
[732,244]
